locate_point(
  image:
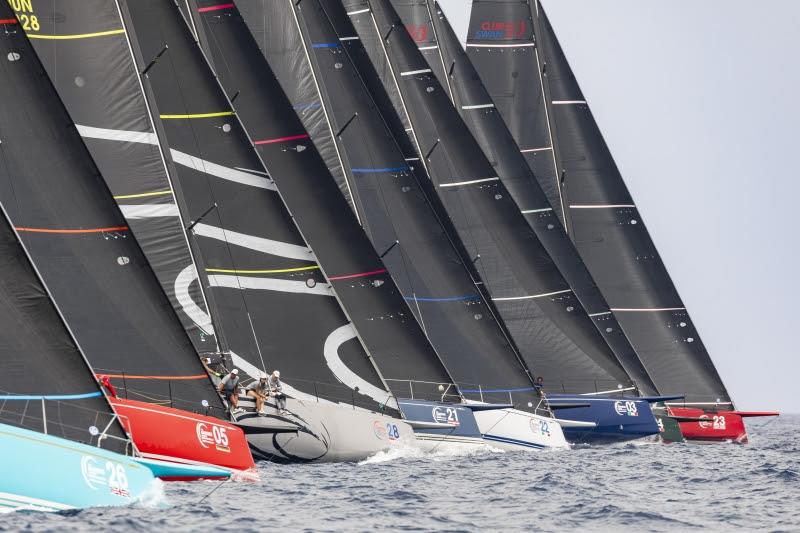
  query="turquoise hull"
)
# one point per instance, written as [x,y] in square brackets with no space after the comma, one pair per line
[40,472]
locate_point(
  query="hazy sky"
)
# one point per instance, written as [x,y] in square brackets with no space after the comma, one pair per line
[700,104]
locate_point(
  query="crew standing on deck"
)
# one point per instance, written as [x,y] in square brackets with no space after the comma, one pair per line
[229,388]
[276,390]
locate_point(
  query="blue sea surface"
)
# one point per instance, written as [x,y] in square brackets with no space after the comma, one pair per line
[638,486]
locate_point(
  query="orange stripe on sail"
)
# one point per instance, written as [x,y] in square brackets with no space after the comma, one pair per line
[166,378]
[88,230]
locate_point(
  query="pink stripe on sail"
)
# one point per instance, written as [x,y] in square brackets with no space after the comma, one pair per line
[282,139]
[359,275]
[215,8]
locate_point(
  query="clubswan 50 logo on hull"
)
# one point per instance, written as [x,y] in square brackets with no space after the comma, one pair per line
[386,431]
[626,408]
[217,437]
[98,474]
[717,422]
[446,415]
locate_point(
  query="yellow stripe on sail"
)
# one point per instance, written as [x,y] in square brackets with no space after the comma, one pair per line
[141,195]
[199,115]
[76,36]
[279,271]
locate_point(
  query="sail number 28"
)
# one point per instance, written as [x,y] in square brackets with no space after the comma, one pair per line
[24,11]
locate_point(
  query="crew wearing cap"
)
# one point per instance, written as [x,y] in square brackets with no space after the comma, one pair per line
[276,390]
[258,390]
[229,387]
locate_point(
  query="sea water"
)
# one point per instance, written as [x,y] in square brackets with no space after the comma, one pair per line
[638,486]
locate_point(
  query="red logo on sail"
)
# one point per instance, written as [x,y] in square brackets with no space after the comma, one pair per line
[418,32]
[502,30]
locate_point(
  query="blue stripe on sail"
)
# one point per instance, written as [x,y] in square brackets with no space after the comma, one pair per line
[325,45]
[523,389]
[466,298]
[52,396]
[308,105]
[385,169]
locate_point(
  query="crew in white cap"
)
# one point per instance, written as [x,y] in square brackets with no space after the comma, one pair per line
[276,390]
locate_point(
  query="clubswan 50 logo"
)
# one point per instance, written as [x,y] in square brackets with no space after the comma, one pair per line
[446,415]
[626,408]
[98,474]
[217,437]
[386,431]
[717,422]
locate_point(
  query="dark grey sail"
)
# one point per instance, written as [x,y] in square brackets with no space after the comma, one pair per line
[548,324]
[399,210]
[487,126]
[100,88]
[82,247]
[272,299]
[600,214]
[359,278]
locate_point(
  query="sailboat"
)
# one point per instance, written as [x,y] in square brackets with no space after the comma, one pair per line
[519,58]
[61,444]
[270,300]
[103,285]
[443,49]
[548,324]
[392,199]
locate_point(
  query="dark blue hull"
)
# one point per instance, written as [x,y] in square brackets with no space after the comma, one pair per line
[617,419]
[462,425]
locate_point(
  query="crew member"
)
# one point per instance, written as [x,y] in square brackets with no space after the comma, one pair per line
[258,390]
[229,388]
[539,385]
[276,390]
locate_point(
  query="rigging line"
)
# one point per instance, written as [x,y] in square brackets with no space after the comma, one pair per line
[439,50]
[158,378]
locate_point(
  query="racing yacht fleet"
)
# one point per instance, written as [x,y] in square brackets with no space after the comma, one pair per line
[432,243]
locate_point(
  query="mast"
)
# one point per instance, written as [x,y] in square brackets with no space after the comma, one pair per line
[83,248]
[547,322]
[479,112]
[606,227]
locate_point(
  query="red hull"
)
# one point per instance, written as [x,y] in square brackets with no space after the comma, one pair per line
[174,435]
[715,426]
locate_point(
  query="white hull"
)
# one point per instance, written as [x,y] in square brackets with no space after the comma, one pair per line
[326,432]
[432,443]
[512,429]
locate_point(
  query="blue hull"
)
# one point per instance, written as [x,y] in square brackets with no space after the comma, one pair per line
[463,427]
[45,473]
[617,419]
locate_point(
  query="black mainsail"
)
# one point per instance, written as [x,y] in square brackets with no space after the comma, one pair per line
[513,47]
[273,303]
[82,247]
[101,90]
[551,328]
[396,205]
[478,111]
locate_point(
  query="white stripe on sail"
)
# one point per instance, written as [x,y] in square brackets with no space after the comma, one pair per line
[459,183]
[347,376]
[149,211]
[513,298]
[192,310]
[351,13]
[268,284]
[601,206]
[219,171]
[646,309]
[414,72]
[259,244]
[529,150]
[477,106]
[529,211]
[141,137]
[568,102]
